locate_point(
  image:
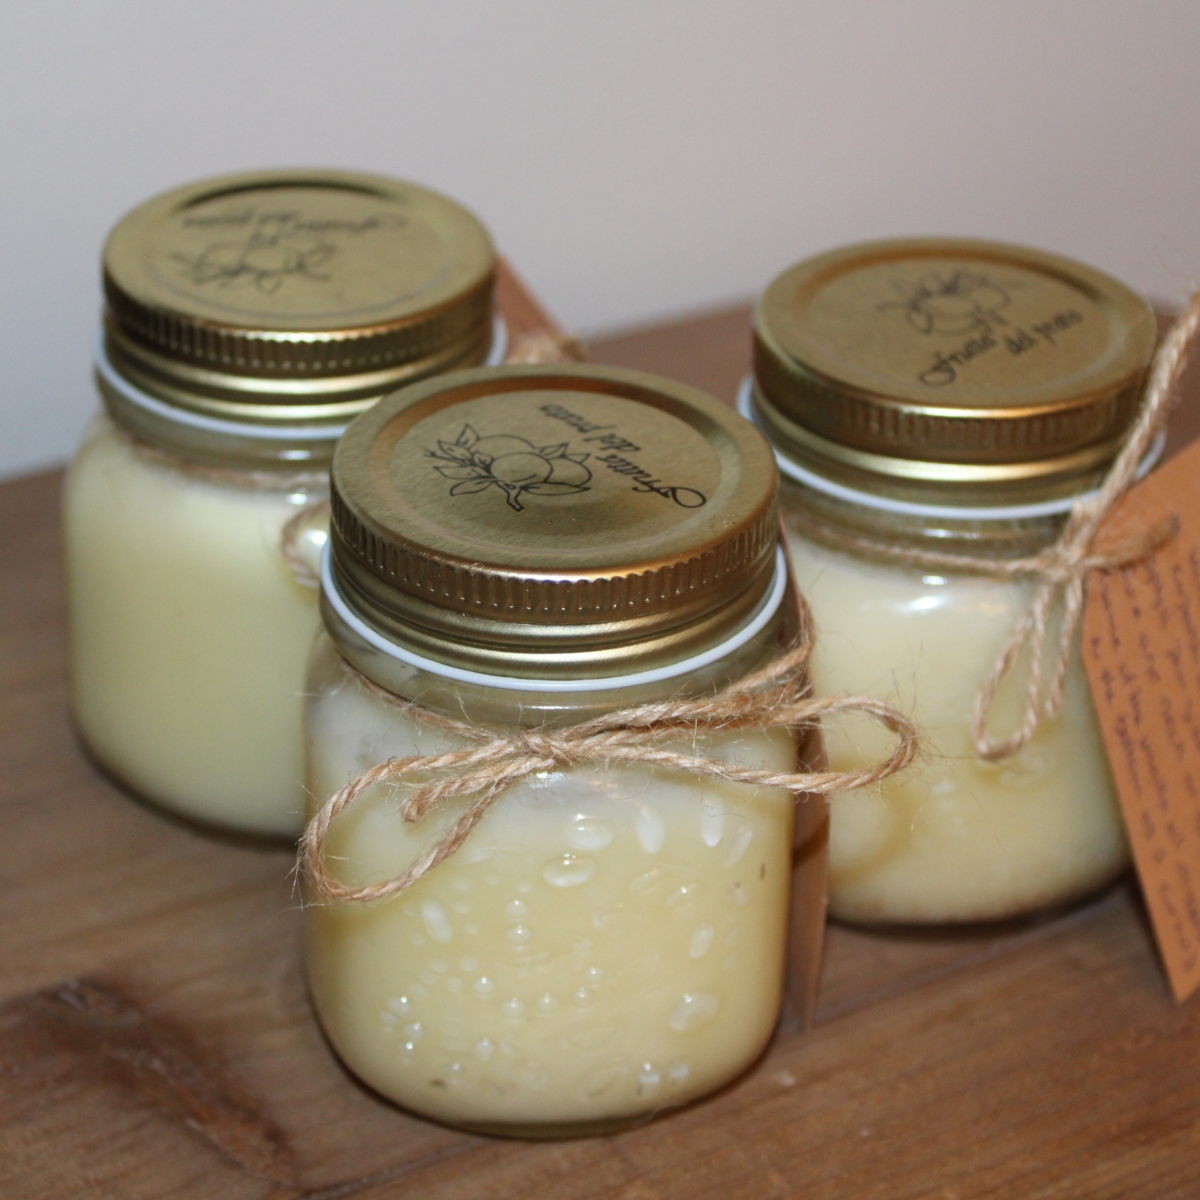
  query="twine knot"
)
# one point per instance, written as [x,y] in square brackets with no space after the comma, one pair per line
[778,695]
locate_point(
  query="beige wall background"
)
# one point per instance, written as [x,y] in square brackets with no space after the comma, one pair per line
[635,158]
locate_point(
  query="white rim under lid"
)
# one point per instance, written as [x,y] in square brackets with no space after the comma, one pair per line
[1010,512]
[766,609]
[246,429]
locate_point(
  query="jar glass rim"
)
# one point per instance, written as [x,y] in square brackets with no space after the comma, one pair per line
[323,433]
[762,615]
[792,470]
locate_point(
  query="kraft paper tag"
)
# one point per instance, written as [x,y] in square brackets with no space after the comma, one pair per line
[1141,648]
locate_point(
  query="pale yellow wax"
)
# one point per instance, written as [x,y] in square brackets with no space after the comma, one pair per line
[953,838]
[189,635]
[605,944]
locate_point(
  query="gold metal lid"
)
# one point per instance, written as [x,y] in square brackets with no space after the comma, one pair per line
[279,297]
[940,361]
[558,521]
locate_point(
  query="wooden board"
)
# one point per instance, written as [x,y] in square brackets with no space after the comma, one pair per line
[1038,1062]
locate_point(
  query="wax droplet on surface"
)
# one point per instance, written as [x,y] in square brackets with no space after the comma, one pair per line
[569,870]
[483,987]
[695,1010]
[437,924]
[618,922]
[647,880]
[702,938]
[735,896]
[739,845]
[583,997]
[600,1079]
[520,935]
[468,962]
[546,1003]
[586,833]
[414,1031]
[592,1037]
[651,831]
[484,1049]
[648,1079]
[594,975]
[514,910]
[512,1007]
[684,895]
[533,1075]
[678,1071]
[400,1005]
[712,821]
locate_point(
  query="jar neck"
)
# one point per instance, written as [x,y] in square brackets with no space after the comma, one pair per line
[254,476]
[551,709]
[302,441]
[835,522]
[211,444]
[549,701]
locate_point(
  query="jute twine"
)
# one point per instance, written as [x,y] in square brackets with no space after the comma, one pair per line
[248,479]
[1060,571]
[300,563]
[539,346]
[776,696]
[546,346]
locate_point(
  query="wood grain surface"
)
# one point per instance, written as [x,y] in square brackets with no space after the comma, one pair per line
[156,1041]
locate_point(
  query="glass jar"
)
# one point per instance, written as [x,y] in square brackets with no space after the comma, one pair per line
[952,397]
[247,320]
[529,548]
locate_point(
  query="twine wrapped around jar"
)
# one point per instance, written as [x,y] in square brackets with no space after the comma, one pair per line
[779,695]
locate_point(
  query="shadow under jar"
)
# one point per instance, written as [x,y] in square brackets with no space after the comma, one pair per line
[247,320]
[956,397]
[529,548]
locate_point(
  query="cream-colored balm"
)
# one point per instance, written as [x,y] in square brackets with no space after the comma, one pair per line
[943,397]
[954,838]
[606,944]
[533,548]
[187,629]
[247,321]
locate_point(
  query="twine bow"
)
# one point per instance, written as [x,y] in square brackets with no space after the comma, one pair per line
[778,695]
[1061,570]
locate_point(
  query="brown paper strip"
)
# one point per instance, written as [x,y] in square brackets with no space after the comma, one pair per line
[1141,648]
